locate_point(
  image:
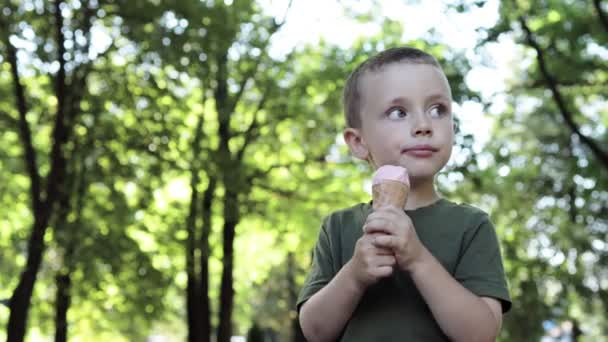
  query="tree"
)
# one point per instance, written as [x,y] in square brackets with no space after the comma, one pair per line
[61,198]
[43,191]
[549,146]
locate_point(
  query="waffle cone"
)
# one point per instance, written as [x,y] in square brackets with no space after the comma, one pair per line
[389,192]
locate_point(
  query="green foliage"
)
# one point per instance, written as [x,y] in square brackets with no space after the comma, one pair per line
[546,188]
[131,156]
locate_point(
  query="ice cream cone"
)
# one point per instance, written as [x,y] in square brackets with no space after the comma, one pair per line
[390,186]
[390,192]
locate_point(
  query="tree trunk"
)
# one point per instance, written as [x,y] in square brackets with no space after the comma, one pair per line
[20,300]
[63,281]
[42,207]
[292,291]
[230,211]
[69,232]
[227,291]
[600,13]
[205,305]
[193,289]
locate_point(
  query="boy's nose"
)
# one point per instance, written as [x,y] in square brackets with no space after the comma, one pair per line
[422,126]
[424,131]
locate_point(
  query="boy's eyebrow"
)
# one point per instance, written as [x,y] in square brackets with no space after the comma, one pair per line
[399,99]
[433,97]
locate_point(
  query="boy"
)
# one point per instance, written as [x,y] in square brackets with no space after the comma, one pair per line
[431,271]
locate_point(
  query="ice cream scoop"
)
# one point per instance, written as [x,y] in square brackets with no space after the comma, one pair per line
[390,185]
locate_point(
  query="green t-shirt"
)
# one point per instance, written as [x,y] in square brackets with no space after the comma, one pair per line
[461,238]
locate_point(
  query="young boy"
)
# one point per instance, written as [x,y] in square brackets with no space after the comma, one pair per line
[431,271]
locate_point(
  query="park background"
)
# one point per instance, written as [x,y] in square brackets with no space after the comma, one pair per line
[165,165]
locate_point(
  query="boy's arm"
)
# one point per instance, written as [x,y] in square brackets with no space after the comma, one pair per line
[448,299]
[325,314]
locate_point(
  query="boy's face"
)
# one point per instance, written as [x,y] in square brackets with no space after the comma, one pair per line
[406,119]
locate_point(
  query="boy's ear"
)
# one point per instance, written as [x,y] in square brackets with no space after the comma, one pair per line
[357,146]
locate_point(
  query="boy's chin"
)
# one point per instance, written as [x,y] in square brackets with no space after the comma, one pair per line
[416,179]
[421,178]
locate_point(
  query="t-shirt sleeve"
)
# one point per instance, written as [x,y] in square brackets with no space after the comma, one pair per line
[480,267]
[322,270]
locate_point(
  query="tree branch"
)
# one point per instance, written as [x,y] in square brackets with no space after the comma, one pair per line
[249,74]
[280,192]
[601,155]
[603,17]
[174,165]
[24,128]
[279,24]
[252,131]
[61,73]
[60,131]
[565,83]
[260,173]
[199,132]
[9,120]
[80,75]
[222,102]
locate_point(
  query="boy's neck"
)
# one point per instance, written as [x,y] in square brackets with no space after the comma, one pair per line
[421,195]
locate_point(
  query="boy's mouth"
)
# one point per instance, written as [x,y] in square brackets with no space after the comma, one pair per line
[419,151]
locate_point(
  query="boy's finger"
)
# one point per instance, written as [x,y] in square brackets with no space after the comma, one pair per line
[388,215]
[386,260]
[390,209]
[378,225]
[368,239]
[389,212]
[385,241]
[383,271]
[383,251]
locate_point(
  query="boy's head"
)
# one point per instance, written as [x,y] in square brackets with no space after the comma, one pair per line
[397,106]
[352,93]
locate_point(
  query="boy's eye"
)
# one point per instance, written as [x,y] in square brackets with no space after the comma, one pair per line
[396,114]
[438,111]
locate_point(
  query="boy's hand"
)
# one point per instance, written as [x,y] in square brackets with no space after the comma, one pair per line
[369,262]
[391,228]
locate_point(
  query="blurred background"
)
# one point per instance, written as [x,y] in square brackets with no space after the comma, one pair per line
[165,165]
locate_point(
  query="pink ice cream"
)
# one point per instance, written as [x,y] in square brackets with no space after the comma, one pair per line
[391,172]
